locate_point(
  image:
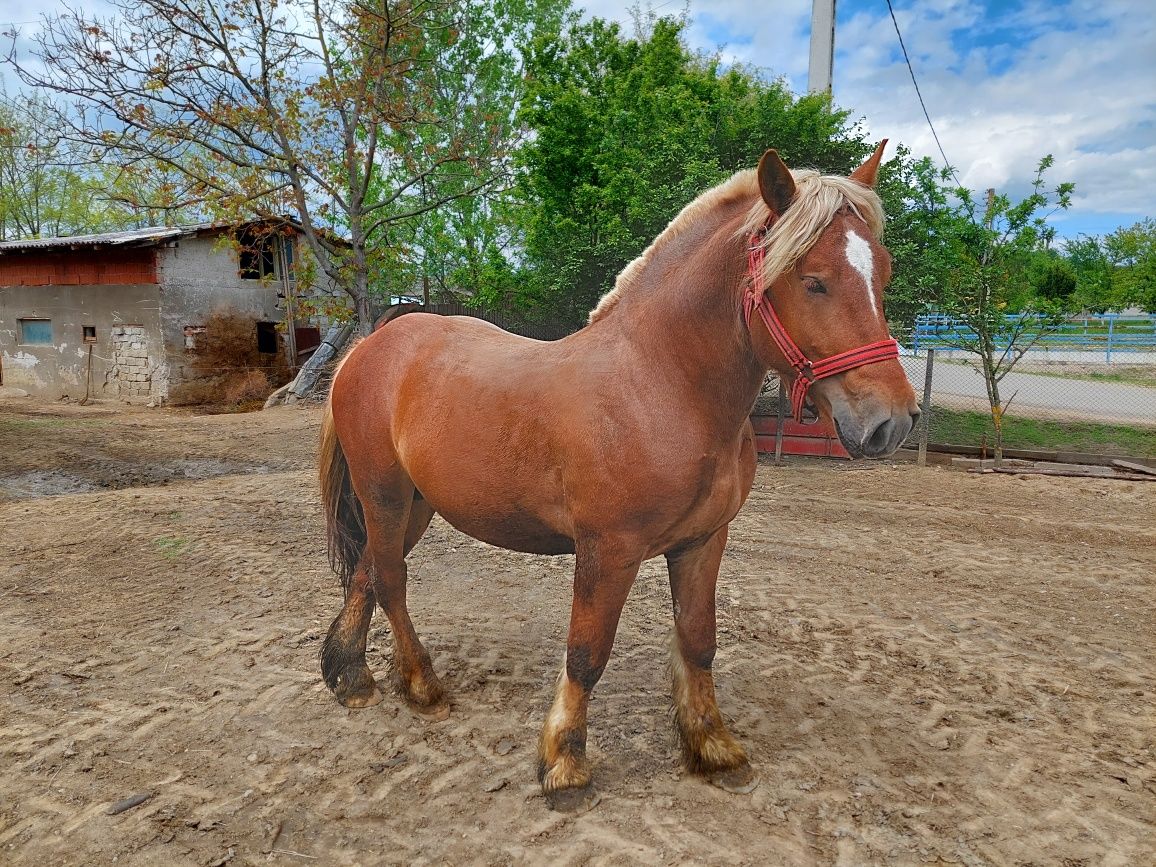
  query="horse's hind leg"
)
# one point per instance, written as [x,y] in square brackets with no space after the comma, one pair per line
[343,654]
[707,747]
[390,539]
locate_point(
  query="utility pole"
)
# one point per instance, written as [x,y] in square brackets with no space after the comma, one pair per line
[822,59]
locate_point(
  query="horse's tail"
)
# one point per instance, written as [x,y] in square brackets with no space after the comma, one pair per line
[344,518]
[395,311]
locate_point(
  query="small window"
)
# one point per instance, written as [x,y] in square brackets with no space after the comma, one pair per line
[258,263]
[307,337]
[267,337]
[36,332]
[90,334]
[259,254]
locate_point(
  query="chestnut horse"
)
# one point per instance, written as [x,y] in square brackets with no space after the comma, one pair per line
[626,440]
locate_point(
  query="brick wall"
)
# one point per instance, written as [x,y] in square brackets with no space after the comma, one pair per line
[135,372]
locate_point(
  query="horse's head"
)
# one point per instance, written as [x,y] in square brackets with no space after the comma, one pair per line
[824,270]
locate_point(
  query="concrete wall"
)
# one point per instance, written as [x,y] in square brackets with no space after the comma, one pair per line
[62,368]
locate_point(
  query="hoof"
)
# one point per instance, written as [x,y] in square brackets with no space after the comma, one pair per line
[363,698]
[423,693]
[357,689]
[738,781]
[432,712]
[575,802]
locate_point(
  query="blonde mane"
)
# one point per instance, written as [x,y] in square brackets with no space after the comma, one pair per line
[817,199]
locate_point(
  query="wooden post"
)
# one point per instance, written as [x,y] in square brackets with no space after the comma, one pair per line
[290,306]
[781,415]
[925,408]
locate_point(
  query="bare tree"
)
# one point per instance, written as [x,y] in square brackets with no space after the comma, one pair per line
[320,110]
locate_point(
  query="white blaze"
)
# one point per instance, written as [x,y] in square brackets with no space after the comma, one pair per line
[861,259]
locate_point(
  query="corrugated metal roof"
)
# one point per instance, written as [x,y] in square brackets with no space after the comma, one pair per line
[138,237]
[147,237]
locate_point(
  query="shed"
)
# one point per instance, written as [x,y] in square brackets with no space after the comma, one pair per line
[119,312]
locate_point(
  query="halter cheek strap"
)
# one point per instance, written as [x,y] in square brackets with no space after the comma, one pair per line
[807,372]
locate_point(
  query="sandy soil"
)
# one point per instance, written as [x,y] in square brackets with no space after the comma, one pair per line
[926,666]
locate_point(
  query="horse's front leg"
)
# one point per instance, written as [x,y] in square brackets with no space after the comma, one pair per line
[603,576]
[707,747]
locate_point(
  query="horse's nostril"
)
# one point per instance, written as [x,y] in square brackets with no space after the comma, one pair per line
[915,416]
[880,438]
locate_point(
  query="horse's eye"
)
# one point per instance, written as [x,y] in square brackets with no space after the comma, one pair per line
[814,286]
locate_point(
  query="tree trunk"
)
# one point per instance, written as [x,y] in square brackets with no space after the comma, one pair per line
[997,423]
[987,357]
[359,291]
[364,317]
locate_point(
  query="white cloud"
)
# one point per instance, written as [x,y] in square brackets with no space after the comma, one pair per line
[1082,92]
[1004,84]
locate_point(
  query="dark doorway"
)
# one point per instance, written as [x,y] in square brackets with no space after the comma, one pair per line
[267,340]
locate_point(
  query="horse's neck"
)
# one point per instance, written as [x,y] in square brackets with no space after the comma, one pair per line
[685,316]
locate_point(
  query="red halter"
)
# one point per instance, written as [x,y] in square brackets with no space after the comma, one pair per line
[806,371]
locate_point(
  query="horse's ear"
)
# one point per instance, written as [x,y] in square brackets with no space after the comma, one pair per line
[775,182]
[866,173]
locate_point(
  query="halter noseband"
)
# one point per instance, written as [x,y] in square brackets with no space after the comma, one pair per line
[807,372]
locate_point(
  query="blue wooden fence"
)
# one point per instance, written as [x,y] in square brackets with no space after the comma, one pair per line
[1108,333]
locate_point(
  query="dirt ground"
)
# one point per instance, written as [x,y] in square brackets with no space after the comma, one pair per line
[926,667]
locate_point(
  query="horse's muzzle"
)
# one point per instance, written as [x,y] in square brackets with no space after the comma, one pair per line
[877,437]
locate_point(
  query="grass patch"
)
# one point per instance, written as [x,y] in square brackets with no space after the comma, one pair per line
[1145,378]
[1129,374]
[964,427]
[171,547]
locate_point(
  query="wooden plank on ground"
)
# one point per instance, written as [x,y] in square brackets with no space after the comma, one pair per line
[1075,471]
[1134,467]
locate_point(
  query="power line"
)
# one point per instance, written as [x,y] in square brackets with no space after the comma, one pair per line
[922,105]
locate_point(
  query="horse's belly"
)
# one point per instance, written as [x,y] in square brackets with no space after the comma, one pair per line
[513,530]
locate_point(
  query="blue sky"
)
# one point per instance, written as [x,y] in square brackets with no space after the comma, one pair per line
[1005,82]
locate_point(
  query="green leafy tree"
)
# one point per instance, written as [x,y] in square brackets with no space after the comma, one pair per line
[1132,253]
[1118,270]
[459,250]
[915,199]
[45,188]
[991,277]
[626,132]
[1051,278]
[1093,270]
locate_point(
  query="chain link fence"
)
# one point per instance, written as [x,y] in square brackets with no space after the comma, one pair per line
[1057,402]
